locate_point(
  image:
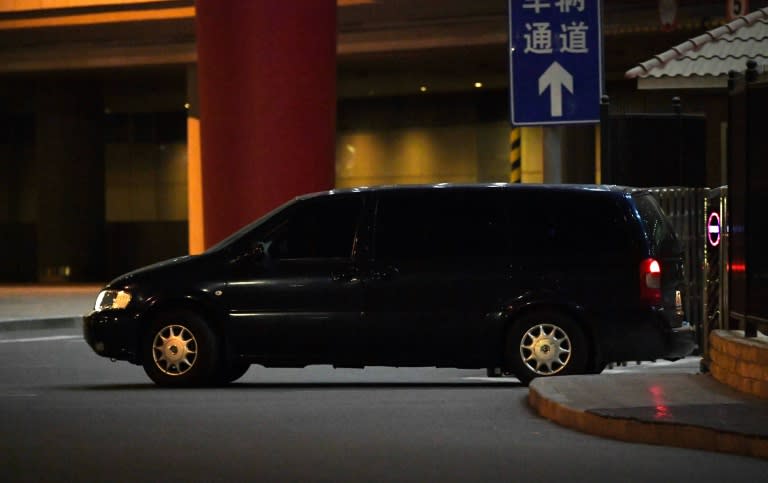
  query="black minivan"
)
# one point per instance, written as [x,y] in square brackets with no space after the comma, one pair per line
[527,280]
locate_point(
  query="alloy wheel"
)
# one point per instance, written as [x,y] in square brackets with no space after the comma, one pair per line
[174,350]
[545,349]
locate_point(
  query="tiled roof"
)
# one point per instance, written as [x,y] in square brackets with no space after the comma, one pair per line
[714,53]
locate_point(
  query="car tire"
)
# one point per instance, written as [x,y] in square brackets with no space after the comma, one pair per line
[493,372]
[179,349]
[545,343]
[598,368]
[231,372]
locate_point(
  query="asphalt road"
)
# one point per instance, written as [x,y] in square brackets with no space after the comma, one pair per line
[69,415]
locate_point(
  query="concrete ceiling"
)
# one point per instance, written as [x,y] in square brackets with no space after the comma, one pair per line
[396,46]
[385,47]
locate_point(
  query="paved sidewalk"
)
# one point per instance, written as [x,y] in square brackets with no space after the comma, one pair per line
[41,307]
[685,410]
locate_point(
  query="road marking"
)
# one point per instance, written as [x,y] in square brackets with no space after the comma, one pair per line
[491,379]
[42,339]
[19,394]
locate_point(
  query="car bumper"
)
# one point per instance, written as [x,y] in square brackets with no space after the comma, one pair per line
[681,341]
[112,334]
[644,335]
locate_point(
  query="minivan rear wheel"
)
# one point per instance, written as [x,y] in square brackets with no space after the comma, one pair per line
[544,344]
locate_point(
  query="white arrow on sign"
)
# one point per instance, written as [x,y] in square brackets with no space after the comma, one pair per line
[555,77]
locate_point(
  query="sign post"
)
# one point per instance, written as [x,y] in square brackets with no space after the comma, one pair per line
[556,61]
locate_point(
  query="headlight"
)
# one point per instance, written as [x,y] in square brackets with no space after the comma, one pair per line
[112,299]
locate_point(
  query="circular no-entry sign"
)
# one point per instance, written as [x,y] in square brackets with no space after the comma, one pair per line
[713,229]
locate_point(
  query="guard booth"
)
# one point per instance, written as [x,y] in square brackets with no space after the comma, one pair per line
[748,200]
[734,230]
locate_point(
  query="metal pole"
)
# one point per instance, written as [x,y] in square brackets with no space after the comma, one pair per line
[606,165]
[750,327]
[677,109]
[724,237]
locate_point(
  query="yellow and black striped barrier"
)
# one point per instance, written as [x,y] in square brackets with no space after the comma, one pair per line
[515,170]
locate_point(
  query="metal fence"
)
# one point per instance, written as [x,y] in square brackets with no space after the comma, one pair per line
[700,217]
[687,210]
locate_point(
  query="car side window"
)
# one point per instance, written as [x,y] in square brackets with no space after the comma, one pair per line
[317,228]
[562,224]
[450,224]
[597,227]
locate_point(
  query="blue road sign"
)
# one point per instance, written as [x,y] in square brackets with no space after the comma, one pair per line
[556,61]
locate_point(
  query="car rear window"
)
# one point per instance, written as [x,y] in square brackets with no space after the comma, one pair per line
[659,230]
[493,223]
[568,224]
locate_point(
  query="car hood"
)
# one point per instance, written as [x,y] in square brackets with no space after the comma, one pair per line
[174,267]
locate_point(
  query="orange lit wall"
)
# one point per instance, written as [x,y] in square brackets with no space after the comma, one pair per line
[17,5]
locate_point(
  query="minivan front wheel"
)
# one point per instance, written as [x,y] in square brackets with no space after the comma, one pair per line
[543,344]
[179,349]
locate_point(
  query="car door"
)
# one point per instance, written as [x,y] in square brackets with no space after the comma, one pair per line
[299,298]
[437,275]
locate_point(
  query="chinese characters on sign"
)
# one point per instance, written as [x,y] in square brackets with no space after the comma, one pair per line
[573,39]
[555,61]
[564,6]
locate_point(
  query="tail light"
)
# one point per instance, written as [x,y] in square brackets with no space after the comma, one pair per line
[650,281]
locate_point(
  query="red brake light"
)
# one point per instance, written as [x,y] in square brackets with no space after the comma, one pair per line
[737,267]
[650,281]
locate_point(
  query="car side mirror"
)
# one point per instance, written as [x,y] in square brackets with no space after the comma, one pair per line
[256,253]
[259,252]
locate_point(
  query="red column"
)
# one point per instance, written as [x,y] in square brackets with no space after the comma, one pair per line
[267,86]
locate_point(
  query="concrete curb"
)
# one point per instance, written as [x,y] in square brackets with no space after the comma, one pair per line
[73,322]
[543,400]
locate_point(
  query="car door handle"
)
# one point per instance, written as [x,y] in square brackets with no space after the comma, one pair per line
[351,276]
[385,273]
[514,271]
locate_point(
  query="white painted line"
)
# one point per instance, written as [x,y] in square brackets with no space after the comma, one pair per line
[490,379]
[42,339]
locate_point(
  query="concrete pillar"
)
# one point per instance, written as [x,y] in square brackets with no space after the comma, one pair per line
[69,161]
[267,87]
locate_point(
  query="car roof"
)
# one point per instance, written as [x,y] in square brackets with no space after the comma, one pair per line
[564,188]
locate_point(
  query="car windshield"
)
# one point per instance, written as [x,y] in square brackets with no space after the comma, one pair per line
[233,238]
